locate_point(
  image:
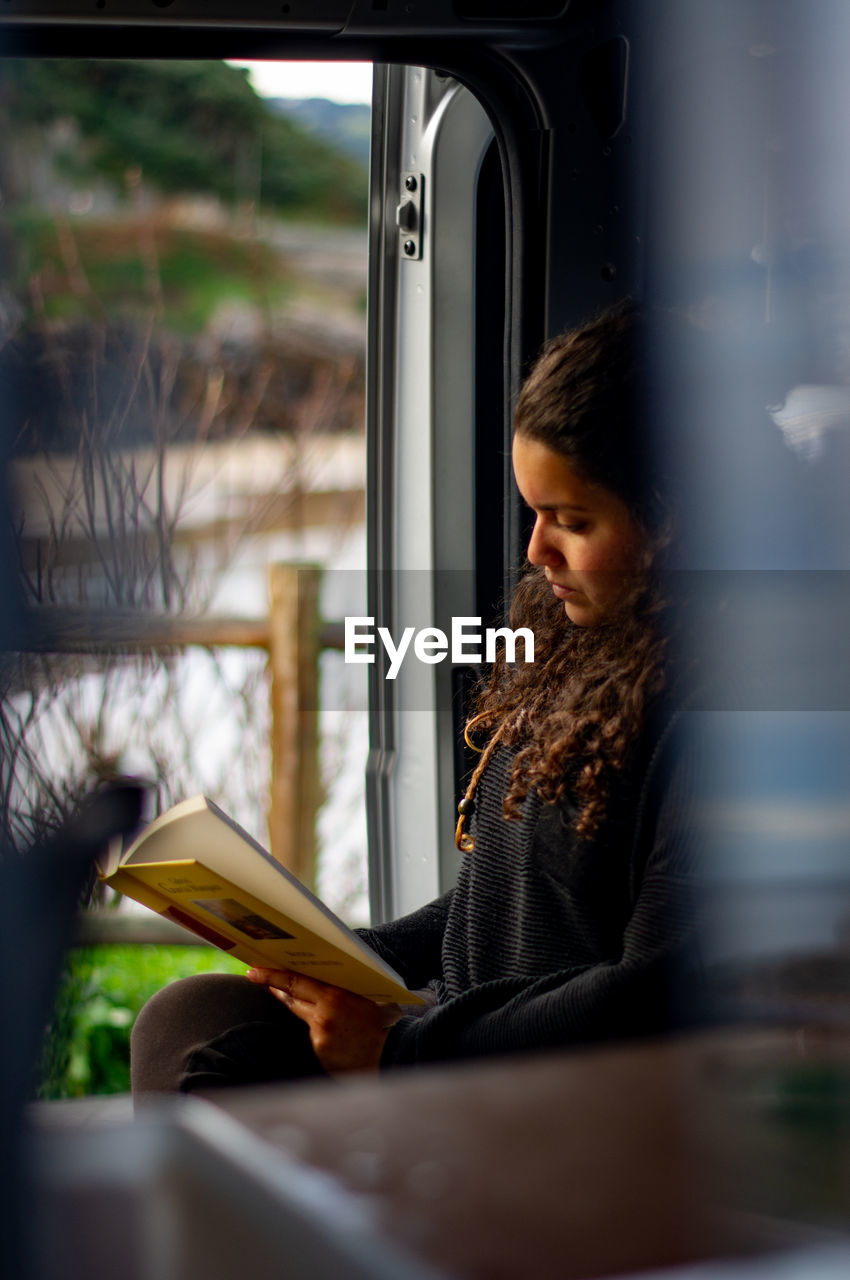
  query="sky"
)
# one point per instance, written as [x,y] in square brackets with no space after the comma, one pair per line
[339,81]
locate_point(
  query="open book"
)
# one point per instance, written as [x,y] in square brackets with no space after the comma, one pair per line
[195,865]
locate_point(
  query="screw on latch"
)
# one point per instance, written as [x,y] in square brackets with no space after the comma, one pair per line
[410,183]
[410,247]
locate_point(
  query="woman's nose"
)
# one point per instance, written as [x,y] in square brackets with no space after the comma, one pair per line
[541,551]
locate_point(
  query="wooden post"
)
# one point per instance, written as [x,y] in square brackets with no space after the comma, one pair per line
[294,644]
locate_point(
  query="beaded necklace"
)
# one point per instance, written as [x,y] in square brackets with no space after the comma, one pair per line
[463,840]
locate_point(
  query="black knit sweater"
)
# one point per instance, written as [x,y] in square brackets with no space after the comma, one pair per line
[549,940]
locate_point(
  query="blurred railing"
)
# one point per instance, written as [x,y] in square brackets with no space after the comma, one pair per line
[294,635]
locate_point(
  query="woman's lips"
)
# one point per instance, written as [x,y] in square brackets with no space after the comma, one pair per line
[562,592]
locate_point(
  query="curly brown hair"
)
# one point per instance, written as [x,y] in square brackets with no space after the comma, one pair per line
[575,713]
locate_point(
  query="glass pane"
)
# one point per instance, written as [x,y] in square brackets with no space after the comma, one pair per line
[183,315]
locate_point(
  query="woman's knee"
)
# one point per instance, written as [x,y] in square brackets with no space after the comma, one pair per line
[186,1013]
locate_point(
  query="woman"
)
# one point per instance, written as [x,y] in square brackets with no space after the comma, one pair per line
[571,913]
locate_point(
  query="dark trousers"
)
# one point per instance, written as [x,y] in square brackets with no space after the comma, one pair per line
[216,1030]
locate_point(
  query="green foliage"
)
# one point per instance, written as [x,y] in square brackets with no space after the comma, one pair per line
[87,1049]
[183,127]
[129,266]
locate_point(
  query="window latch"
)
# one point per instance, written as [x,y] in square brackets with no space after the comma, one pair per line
[408,215]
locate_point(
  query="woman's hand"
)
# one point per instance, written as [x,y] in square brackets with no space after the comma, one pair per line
[347,1032]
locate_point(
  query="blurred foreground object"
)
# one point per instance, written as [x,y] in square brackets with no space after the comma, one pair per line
[39,895]
[679,1153]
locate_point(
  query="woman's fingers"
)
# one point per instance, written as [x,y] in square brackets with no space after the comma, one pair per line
[347,1031]
[296,985]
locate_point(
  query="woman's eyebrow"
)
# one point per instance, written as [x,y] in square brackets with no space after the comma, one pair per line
[563,506]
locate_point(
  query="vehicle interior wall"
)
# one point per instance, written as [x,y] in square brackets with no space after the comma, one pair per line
[439,439]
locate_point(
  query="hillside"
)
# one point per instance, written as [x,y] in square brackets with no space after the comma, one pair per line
[346,125]
[148,287]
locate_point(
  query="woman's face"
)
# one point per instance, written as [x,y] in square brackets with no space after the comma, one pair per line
[585,538]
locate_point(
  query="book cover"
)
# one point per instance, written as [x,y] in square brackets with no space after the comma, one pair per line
[196,866]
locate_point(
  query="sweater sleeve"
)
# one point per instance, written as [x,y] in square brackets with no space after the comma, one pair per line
[631,996]
[412,945]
